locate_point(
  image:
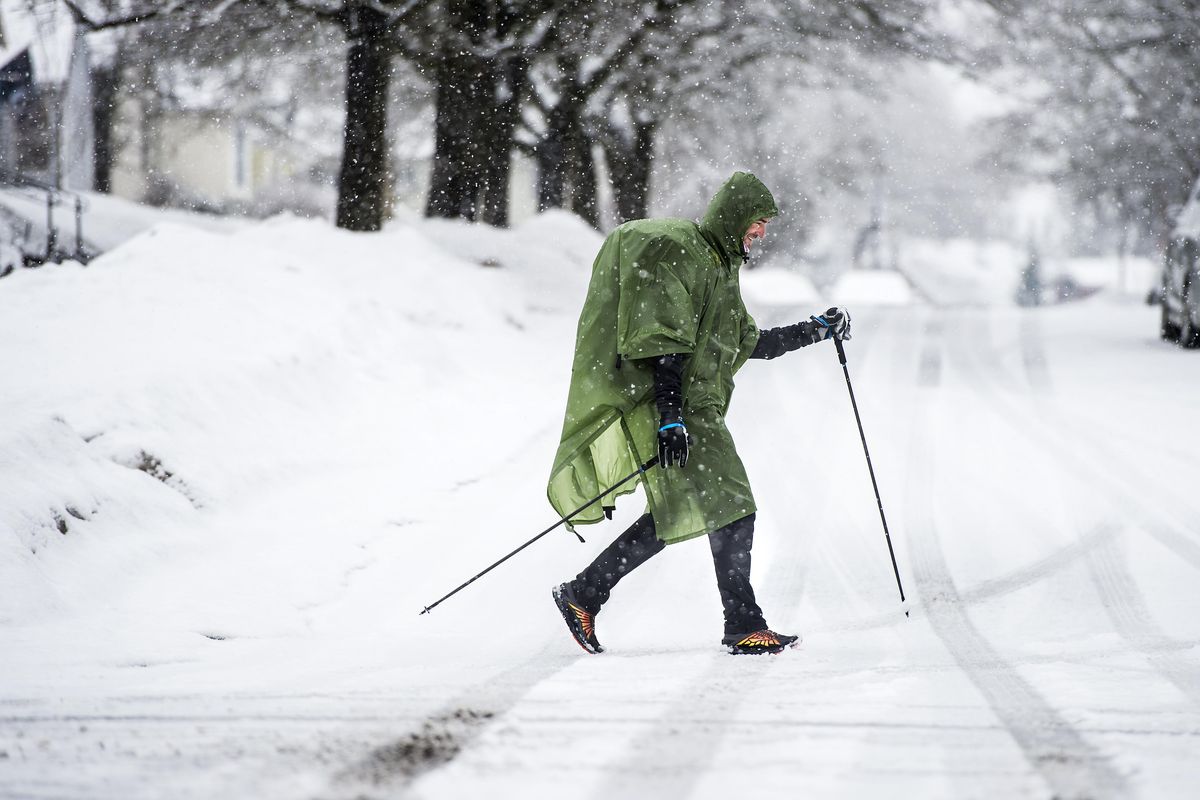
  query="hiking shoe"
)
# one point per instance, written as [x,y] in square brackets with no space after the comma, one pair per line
[582,624]
[764,641]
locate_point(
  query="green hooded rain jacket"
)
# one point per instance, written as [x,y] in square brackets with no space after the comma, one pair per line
[658,287]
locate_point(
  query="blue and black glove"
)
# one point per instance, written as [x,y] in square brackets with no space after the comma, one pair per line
[834,323]
[668,397]
[672,442]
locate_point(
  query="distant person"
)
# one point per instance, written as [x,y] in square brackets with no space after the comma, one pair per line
[662,332]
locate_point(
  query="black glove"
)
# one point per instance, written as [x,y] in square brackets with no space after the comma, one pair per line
[672,442]
[835,323]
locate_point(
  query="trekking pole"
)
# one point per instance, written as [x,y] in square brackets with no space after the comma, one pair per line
[842,358]
[640,470]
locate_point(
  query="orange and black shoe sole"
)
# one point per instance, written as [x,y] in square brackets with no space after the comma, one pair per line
[574,616]
[763,643]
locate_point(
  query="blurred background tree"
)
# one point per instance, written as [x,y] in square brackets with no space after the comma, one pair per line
[617,109]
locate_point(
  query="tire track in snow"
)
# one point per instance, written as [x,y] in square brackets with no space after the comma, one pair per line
[928,375]
[648,766]
[929,369]
[1150,482]
[1070,766]
[1120,594]
[1035,377]
[1041,569]
[1033,353]
[1010,582]
[993,387]
[1038,571]
[440,737]
[1126,607]
[1121,598]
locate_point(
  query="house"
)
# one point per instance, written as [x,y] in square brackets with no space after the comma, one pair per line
[201,158]
[45,97]
[184,153]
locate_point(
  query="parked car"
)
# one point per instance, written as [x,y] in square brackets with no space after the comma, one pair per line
[1180,295]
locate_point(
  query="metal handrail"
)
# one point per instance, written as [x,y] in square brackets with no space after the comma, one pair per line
[52,195]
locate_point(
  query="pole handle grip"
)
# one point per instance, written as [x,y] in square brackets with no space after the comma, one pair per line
[840,350]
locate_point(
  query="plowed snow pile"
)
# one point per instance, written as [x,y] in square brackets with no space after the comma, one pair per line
[190,373]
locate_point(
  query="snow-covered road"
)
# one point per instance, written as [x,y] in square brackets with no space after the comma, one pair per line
[1040,496]
[1038,472]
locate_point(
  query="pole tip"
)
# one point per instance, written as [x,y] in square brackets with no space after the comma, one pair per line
[426,611]
[906,612]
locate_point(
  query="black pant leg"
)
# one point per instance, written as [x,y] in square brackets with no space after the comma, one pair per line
[731,559]
[629,551]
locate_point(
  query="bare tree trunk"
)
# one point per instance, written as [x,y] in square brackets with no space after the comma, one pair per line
[478,100]
[629,164]
[477,107]
[454,181]
[497,161]
[105,84]
[582,177]
[156,189]
[566,167]
[363,178]
[551,155]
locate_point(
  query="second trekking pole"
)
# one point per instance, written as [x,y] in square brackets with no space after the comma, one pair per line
[639,471]
[842,358]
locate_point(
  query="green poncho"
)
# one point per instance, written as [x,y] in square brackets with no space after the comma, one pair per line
[662,286]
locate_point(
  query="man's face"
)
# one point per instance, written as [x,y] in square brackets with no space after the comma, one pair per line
[757,230]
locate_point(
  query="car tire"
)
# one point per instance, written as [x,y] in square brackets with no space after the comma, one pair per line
[1166,330]
[1189,332]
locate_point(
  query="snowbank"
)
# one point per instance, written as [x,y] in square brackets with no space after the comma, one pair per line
[1134,276]
[987,273]
[775,286]
[189,371]
[963,271]
[872,288]
[108,221]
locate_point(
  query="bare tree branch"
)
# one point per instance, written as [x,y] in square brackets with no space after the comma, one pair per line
[134,18]
[320,11]
[1132,84]
[657,17]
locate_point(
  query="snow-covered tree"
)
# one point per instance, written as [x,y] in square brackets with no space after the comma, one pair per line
[1112,108]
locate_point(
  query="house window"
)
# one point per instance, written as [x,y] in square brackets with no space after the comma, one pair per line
[29,126]
[240,156]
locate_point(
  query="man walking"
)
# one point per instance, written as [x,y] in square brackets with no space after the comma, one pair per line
[662,332]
